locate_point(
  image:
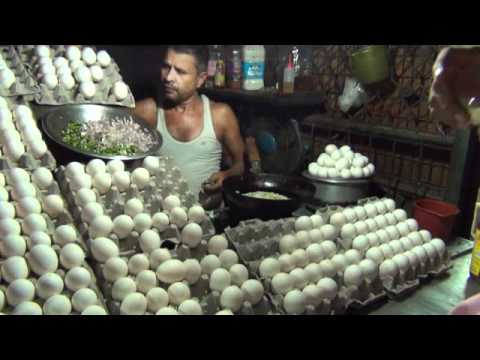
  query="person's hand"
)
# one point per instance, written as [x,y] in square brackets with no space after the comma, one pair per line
[455,77]
[468,307]
[215,182]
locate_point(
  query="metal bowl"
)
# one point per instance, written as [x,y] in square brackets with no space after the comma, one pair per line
[55,122]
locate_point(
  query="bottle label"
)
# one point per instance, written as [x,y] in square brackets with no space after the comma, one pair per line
[253,70]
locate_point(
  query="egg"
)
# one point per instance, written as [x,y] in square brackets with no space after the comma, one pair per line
[329,288]
[7,210]
[338,220]
[77,278]
[53,205]
[81,181]
[392,232]
[439,245]
[138,263]
[134,304]
[373,240]
[2,180]
[71,256]
[121,179]
[340,263]
[9,227]
[403,229]
[87,89]
[383,236]
[17,176]
[381,208]
[85,196]
[232,298]
[7,78]
[28,308]
[97,73]
[3,194]
[178,293]
[114,166]
[57,305]
[303,223]
[348,232]
[400,215]
[313,169]
[122,288]
[369,269]
[217,244]
[160,221]
[140,177]
[38,148]
[360,212]
[388,269]
[42,177]
[361,228]
[381,221]
[287,244]
[103,58]
[50,80]
[415,238]
[371,225]
[329,248]
[14,149]
[146,280]
[103,249]
[101,226]
[294,302]
[149,241]
[209,263]
[300,258]
[167,311]
[171,202]
[142,222]
[48,285]
[302,240]
[220,279]
[172,271]
[228,258]
[412,224]
[83,298]
[412,258]
[431,251]
[425,235]
[314,272]
[376,255]
[329,232]
[114,269]
[269,268]
[322,172]
[353,275]
[390,204]
[102,182]
[12,245]
[314,253]
[397,247]
[94,310]
[67,81]
[330,149]
[73,53]
[194,271]
[120,90]
[19,291]
[391,219]
[196,214]
[192,235]
[238,274]
[190,308]
[346,174]
[253,292]
[333,173]
[402,262]
[157,299]
[21,190]
[313,295]
[64,234]
[387,251]
[316,236]
[32,223]
[353,256]
[14,268]
[287,262]
[133,207]
[122,226]
[3,103]
[341,164]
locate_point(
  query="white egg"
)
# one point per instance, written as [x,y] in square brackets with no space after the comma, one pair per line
[313,169]
[193,271]
[387,251]
[303,223]
[431,251]
[12,245]
[327,268]
[232,298]
[209,263]
[171,271]
[28,308]
[375,254]
[357,173]
[19,291]
[138,263]
[371,169]
[140,177]
[371,225]
[287,262]
[425,235]
[366,172]
[14,149]
[146,280]
[48,285]
[73,53]
[361,243]
[388,269]
[294,302]
[103,249]
[415,238]
[390,205]
[120,90]
[439,245]
[83,75]
[171,202]
[314,272]
[97,73]
[340,262]
[390,218]
[81,181]
[103,58]
[23,189]
[157,299]
[122,288]
[64,234]
[60,61]
[114,166]
[369,269]
[323,172]
[412,258]
[403,229]
[330,149]
[402,262]
[329,248]
[178,293]
[316,236]
[32,223]
[329,288]
[333,173]
[9,227]
[392,232]
[71,256]
[238,274]
[149,241]
[76,64]
[53,205]
[350,215]
[142,222]
[302,240]
[94,310]
[89,56]
[287,244]
[190,308]
[381,221]
[37,238]
[7,210]
[50,80]
[77,278]
[353,275]
[360,228]
[134,304]
[412,224]
[360,212]
[348,232]
[342,164]
[114,269]
[57,305]
[269,268]
[160,221]
[121,179]
[314,253]
[167,311]
[282,283]
[192,235]
[88,89]
[42,177]
[3,194]
[381,208]
[74,168]
[101,226]
[196,214]
[228,258]
[102,182]
[397,247]
[84,298]
[346,174]
[7,78]
[14,268]
[152,164]
[133,207]
[3,103]
[373,239]
[220,279]
[400,215]
[300,258]
[371,210]
[329,232]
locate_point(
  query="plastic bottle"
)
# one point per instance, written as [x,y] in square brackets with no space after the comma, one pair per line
[212,66]
[289,77]
[220,71]
[253,67]
[235,70]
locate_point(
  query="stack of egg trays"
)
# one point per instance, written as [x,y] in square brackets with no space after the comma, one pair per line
[407,282]
[25,84]
[63,219]
[27,161]
[62,96]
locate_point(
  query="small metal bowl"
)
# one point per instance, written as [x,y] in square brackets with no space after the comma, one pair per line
[55,122]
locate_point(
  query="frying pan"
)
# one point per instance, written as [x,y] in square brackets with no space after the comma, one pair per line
[297,189]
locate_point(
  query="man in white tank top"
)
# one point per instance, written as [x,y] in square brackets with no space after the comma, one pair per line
[195,130]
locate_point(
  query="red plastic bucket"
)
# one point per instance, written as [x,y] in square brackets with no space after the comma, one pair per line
[436,216]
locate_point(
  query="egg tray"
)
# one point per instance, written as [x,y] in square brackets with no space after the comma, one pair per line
[24,83]
[62,96]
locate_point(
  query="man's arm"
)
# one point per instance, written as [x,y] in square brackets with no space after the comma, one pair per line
[147,110]
[233,142]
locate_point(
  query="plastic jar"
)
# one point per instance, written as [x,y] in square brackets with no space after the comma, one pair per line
[253,67]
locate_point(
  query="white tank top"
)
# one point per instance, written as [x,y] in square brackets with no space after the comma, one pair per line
[197,159]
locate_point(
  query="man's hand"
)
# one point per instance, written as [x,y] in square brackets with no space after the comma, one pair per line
[215,182]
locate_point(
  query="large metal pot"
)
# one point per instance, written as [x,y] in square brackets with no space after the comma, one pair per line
[339,191]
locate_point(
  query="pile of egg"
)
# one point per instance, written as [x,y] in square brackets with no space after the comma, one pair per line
[19,132]
[341,163]
[82,66]
[43,269]
[156,282]
[7,76]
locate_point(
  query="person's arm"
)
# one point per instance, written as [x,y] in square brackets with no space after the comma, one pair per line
[233,142]
[147,110]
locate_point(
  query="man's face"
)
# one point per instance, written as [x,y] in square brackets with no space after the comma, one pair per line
[180,76]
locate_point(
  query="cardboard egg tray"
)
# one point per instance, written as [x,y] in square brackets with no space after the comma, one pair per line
[24,84]
[62,96]
[52,223]
[27,160]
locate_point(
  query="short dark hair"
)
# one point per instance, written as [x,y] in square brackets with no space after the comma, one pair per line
[199,52]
